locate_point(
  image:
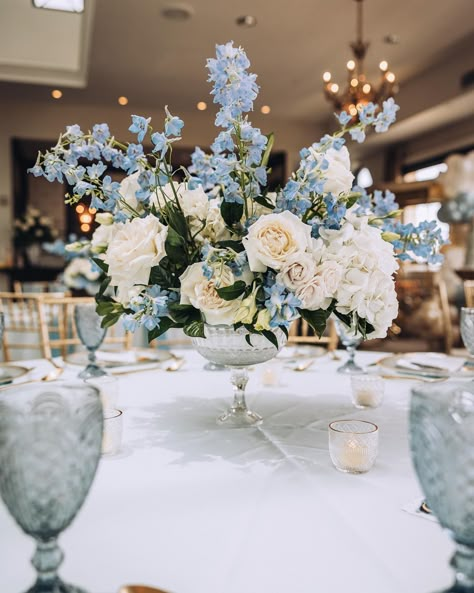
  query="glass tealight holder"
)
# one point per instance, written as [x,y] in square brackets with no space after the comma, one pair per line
[353,445]
[367,390]
[113,426]
[108,387]
[270,374]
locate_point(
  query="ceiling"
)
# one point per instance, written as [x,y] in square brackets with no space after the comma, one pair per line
[134,51]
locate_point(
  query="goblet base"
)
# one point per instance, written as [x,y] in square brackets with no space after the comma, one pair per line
[350,368]
[91,370]
[56,586]
[237,417]
[213,366]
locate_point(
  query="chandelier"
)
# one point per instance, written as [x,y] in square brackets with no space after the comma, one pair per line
[359,91]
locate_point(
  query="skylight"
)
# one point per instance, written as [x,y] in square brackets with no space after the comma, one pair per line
[65,5]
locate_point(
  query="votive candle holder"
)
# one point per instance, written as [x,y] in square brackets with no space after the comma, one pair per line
[353,445]
[367,390]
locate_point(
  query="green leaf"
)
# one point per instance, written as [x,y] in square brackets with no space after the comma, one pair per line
[110,319]
[352,199]
[316,319]
[236,246]
[177,221]
[107,307]
[184,313]
[284,330]
[262,200]
[104,285]
[270,337]
[165,324]
[268,149]
[247,339]
[230,293]
[195,329]
[101,264]
[231,212]
[158,275]
[175,247]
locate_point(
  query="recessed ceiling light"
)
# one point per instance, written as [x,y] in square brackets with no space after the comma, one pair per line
[177,11]
[392,39]
[122,101]
[265,109]
[56,94]
[65,5]
[202,106]
[246,20]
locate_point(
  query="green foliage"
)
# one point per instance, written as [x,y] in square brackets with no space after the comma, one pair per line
[175,247]
[317,319]
[100,263]
[195,329]
[165,324]
[231,213]
[185,314]
[230,293]
[236,246]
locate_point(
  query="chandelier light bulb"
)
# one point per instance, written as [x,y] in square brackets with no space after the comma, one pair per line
[390,76]
[265,109]
[202,106]
[351,65]
[56,94]
[122,101]
[366,88]
[352,110]
[383,66]
[85,228]
[334,87]
[327,76]
[354,82]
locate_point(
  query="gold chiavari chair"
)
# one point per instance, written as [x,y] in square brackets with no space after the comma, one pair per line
[40,287]
[469,292]
[301,333]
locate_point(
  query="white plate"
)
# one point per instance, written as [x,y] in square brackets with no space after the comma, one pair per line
[297,352]
[8,372]
[435,358]
[114,359]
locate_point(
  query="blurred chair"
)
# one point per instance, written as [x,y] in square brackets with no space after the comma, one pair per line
[425,313]
[301,333]
[42,325]
[469,292]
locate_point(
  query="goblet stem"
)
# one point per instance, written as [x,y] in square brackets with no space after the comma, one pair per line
[46,559]
[92,356]
[463,564]
[239,415]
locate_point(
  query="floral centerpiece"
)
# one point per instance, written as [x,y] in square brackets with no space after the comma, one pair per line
[32,229]
[216,247]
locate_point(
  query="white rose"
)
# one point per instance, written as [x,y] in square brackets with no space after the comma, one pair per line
[134,248]
[274,238]
[128,188]
[338,175]
[215,229]
[331,275]
[194,202]
[314,295]
[201,293]
[101,237]
[297,271]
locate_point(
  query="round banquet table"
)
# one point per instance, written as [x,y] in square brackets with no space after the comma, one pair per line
[191,507]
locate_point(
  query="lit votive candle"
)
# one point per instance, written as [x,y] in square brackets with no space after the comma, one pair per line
[353,445]
[270,375]
[367,390]
[112,437]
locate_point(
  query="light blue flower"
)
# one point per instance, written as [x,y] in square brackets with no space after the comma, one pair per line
[357,134]
[173,124]
[139,126]
[101,132]
[160,142]
[343,118]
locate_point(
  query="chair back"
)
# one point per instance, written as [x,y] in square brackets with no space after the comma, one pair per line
[469,292]
[301,333]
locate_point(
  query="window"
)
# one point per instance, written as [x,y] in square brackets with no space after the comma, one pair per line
[425,173]
[420,212]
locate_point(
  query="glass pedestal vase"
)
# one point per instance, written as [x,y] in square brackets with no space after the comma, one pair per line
[224,345]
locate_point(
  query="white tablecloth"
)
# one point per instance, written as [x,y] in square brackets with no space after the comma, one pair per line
[191,507]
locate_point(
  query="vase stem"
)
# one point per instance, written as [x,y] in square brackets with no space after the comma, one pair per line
[463,564]
[46,559]
[239,379]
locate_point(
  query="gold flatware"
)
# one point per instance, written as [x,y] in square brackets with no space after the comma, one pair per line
[173,365]
[140,589]
[416,378]
[302,366]
[334,355]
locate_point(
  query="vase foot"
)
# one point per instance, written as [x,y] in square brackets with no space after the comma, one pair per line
[56,586]
[350,368]
[239,418]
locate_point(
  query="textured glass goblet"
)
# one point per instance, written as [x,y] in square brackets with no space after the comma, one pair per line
[350,340]
[442,445]
[50,441]
[91,334]
[227,346]
[467,329]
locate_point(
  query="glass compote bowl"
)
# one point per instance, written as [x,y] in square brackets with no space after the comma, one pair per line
[350,340]
[91,334]
[50,441]
[467,331]
[227,346]
[442,445]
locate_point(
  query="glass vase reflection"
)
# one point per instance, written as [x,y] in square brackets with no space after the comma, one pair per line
[442,445]
[50,442]
[92,334]
[224,345]
[350,340]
